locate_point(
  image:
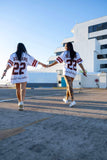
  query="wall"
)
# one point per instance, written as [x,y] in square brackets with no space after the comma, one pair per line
[103,80]
[89,81]
[42,79]
[86,50]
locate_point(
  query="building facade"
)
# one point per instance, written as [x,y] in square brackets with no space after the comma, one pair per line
[90,41]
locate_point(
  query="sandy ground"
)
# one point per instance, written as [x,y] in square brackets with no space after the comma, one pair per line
[49,130]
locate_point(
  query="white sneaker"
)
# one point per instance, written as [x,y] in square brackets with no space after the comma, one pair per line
[66,101]
[20,106]
[72,103]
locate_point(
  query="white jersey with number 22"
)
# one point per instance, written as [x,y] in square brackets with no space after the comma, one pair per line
[19,72]
[70,66]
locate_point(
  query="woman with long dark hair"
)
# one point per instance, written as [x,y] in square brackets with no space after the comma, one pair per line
[70,59]
[20,60]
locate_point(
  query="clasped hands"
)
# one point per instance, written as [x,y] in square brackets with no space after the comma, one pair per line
[44,65]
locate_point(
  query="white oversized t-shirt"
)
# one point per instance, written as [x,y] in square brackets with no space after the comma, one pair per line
[70,66]
[19,72]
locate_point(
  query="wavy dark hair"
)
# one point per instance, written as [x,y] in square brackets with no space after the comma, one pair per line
[20,49]
[72,52]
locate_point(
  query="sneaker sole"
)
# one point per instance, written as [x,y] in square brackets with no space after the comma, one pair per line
[72,105]
[65,101]
[21,108]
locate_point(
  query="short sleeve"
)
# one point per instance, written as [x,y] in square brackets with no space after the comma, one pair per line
[61,58]
[79,60]
[10,61]
[32,61]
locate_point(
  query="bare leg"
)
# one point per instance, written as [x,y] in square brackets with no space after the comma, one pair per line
[69,91]
[23,91]
[18,92]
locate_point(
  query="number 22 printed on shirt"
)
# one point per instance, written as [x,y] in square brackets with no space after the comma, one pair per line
[19,68]
[71,64]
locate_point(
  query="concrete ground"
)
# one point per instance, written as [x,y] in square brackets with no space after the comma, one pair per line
[49,130]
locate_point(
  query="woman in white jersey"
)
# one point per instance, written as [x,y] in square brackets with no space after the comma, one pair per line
[70,59]
[20,60]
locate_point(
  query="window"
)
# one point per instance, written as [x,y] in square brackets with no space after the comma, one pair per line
[103,65]
[50,62]
[104,25]
[101,56]
[97,27]
[58,53]
[94,28]
[99,37]
[103,46]
[90,29]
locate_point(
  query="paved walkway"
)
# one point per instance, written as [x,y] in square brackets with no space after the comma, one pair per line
[49,130]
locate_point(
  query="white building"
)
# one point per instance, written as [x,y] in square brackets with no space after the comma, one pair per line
[90,41]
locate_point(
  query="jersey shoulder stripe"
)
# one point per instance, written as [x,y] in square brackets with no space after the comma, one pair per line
[34,62]
[79,60]
[10,62]
[59,59]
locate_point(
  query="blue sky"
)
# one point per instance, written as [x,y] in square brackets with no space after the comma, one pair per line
[42,24]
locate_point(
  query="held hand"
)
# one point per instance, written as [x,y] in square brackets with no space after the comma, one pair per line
[85,74]
[4,74]
[44,65]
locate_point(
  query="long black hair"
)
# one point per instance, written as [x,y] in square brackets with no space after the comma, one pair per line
[20,49]
[72,52]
